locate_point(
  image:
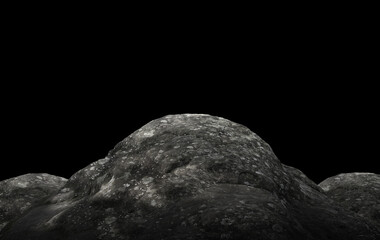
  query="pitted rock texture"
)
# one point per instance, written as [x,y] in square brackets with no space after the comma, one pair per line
[358,192]
[190,176]
[19,194]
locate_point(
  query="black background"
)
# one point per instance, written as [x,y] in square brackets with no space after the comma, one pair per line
[76,83]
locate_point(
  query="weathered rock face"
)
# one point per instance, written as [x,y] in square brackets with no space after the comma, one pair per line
[358,192]
[19,194]
[190,176]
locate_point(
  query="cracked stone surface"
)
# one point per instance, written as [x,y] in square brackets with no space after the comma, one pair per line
[190,176]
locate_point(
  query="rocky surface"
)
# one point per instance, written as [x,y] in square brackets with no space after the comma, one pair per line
[358,192]
[19,194]
[190,176]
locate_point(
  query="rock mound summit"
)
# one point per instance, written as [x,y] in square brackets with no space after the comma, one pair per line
[358,192]
[19,194]
[189,176]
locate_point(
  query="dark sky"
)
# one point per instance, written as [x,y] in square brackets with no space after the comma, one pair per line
[70,92]
[322,132]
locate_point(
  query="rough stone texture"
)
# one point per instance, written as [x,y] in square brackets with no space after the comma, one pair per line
[190,176]
[19,194]
[358,192]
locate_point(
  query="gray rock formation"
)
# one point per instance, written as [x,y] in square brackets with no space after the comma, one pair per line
[190,176]
[357,192]
[19,194]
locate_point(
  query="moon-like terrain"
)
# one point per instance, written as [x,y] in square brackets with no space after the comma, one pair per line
[190,176]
